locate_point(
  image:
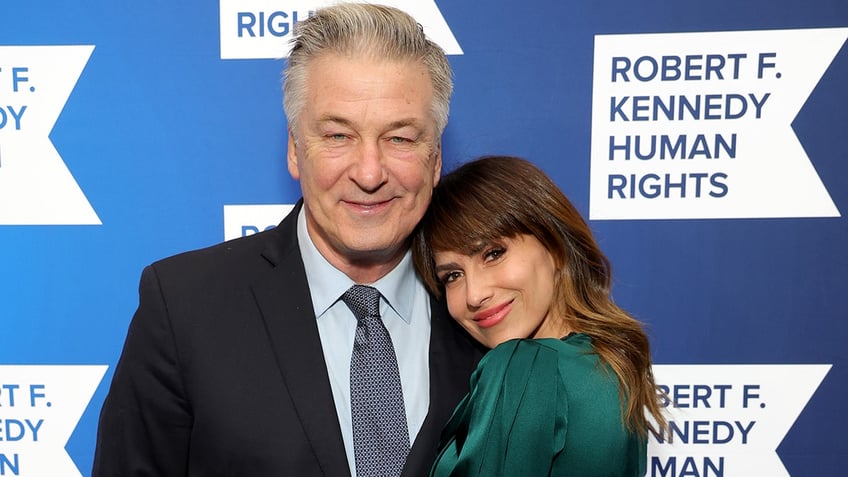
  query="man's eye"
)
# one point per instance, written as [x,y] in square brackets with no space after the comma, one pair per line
[399,140]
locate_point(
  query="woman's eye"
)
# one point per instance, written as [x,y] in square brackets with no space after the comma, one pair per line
[449,277]
[494,253]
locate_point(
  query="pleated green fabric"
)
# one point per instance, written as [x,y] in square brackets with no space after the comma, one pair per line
[542,407]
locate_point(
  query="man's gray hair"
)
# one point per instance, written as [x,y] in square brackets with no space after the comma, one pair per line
[371,31]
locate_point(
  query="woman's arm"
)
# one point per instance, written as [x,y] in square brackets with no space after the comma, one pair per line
[516,412]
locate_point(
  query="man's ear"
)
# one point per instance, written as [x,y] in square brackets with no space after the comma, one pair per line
[291,156]
[437,165]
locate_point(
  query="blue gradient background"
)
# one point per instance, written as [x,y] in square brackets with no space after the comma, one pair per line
[160,133]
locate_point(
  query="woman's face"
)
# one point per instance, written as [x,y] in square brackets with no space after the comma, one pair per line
[502,291]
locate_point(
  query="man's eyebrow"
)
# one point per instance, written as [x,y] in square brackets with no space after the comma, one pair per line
[401,123]
[334,119]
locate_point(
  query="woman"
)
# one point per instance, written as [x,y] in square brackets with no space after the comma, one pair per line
[565,388]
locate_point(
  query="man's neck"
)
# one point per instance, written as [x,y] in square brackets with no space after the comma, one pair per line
[365,269]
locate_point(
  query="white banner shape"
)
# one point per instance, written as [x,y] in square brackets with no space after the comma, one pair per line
[698,125]
[244,220]
[729,419]
[40,407]
[36,187]
[252,29]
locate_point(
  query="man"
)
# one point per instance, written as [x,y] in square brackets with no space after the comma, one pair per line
[242,359]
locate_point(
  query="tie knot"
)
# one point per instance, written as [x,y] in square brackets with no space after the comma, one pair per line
[363,301]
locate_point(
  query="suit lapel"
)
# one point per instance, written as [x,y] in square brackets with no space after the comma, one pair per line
[284,299]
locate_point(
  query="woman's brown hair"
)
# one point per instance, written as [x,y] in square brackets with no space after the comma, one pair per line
[497,197]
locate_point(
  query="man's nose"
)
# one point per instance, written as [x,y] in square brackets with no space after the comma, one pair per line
[368,169]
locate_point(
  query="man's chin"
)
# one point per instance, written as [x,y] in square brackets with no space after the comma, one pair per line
[380,251]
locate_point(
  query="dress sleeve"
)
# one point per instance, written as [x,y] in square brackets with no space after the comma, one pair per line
[516,413]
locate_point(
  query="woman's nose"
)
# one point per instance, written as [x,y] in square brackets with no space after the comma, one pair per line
[477,290]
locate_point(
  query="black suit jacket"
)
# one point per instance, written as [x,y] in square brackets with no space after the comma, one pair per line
[222,371]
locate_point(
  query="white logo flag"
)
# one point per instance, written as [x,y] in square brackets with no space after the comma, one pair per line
[698,125]
[40,407]
[729,419]
[262,28]
[36,187]
[244,220]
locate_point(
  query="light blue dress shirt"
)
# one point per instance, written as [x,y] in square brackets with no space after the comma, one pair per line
[405,310]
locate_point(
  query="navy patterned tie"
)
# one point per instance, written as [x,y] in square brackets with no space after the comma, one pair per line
[380,433]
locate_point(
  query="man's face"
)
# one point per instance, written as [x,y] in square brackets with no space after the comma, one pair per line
[367,156]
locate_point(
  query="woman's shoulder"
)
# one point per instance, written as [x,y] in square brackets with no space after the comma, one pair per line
[577,344]
[547,352]
[573,359]
[517,350]
[517,357]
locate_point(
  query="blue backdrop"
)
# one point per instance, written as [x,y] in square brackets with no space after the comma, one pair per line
[160,134]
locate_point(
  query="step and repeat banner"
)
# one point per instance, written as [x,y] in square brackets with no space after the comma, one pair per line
[704,141]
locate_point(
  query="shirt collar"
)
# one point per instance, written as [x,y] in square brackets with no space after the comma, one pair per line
[327,283]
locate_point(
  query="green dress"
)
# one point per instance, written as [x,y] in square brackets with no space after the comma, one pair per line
[538,408]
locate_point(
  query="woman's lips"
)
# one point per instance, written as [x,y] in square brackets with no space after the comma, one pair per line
[492,316]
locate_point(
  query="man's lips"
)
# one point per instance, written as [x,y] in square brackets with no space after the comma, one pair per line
[368,206]
[492,316]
